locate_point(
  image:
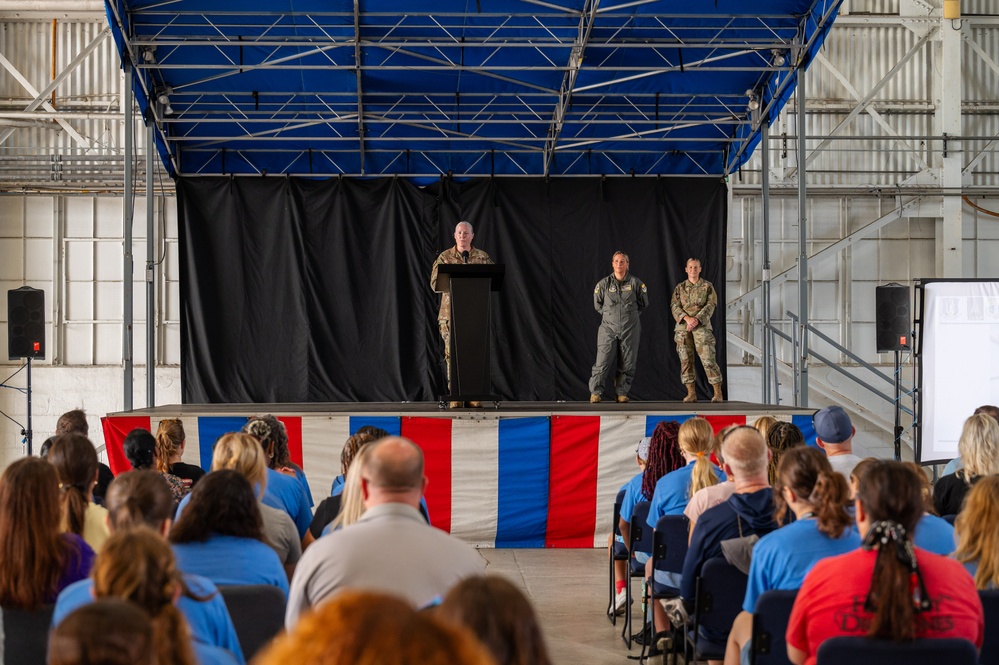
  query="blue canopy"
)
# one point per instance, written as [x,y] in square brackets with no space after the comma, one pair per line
[466,87]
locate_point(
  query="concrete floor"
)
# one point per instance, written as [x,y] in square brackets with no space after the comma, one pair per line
[569,590]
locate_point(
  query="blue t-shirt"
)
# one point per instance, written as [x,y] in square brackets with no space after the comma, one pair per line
[208,654]
[208,619]
[782,558]
[934,534]
[632,495]
[287,494]
[952,466]
[305,484]
[337,486]
[673,492]
[232,560]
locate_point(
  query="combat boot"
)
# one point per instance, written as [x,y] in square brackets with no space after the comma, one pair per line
[691,393]
[717,397]
[594,398]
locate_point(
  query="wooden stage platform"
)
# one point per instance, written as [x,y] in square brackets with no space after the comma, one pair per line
[511,474]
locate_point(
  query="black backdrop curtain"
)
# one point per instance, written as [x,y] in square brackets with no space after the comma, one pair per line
[298,290]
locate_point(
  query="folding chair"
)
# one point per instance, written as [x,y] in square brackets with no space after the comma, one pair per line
[669,549]
[990,647]
[619,552]
[257,612]
[721,588]
[26,635]
[640,540]
[773,609]
[867,651]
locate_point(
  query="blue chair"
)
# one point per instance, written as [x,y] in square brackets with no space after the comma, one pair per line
[720,590]
[26,635]
[669,549]
[640,540]
[773,609]
[619,552]
[257,612]
[990,646]
[867,651]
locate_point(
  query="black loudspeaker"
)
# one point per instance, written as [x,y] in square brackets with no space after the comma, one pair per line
[25,323]
[894,329]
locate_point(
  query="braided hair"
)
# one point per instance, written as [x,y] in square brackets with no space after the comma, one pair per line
[664,456]
[781,437]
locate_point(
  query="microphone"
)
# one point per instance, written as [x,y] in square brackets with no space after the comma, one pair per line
[464,256]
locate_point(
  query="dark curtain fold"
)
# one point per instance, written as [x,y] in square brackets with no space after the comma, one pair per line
[303,290]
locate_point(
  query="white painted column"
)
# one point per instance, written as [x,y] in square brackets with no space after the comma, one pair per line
[948,122]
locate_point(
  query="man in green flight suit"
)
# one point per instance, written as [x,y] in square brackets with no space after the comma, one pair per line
[463,235]
[694,301]
[619,298]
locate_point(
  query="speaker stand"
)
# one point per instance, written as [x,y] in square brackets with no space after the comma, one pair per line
[898,406]
[28,434]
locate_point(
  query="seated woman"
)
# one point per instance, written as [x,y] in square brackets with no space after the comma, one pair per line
[977,535]
[887,589]
[170,443]
[137,565]
[243,453]
[220,535]
[140,450]
[75,460]
[142,499]
[979,449]
[108,631]
[818,497]
[287,488]
[36,560]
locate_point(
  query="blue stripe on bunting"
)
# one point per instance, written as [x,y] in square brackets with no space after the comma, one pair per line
[652,421]
[210,428]
[391,424]
[524,445]
[804,423]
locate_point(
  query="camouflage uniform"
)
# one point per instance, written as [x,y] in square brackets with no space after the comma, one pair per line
[619,302]
[444,316]
[697,300]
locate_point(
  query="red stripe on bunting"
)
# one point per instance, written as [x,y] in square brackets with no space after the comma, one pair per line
[293,426]
[433,436]
[718,423]
[115,430]
[575,447]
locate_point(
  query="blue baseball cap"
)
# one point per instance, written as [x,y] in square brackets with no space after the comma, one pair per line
[832,424]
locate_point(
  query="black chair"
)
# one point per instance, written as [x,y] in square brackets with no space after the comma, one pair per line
[26,635]
[721,588]
[773,609]
[619,552]
[257,612]
[640,540]
[867,651]
[990,646]
[669,549]
[949,519]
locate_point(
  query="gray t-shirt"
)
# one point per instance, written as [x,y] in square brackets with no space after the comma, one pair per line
[282,534]
[844,464]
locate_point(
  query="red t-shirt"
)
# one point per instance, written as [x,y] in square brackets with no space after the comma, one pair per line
[831,601]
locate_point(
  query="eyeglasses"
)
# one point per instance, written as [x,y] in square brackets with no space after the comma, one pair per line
[736,429]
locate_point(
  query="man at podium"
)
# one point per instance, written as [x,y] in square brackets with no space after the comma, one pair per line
[462,252]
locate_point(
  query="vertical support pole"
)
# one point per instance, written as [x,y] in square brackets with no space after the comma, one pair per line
[802,394]
[29,435]
[949,232]
[898,406]
[767,337]
[126,209]
[150,268]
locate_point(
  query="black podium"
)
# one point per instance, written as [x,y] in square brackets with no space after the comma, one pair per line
[469,286]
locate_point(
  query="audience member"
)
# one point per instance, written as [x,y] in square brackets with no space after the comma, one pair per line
[957,462]
[500,616]
[977,534]
[273,436]
[329,508]
[137,565]
[109,631]
[142,499]
[75,461]
[140,451]
[351,497]
[363,435]
[665,457]
[933,533]
[220,535]
[76,421]
[170,442]
[615,542]
[763,425]
[364,628]
[834,434]
[391,548]
[750,510]
[673,491]
[818,497]
[284,490]
[243,453]
[36,560]
[781,437]
[888,589]
[708,497]
[43,451]
[979,448]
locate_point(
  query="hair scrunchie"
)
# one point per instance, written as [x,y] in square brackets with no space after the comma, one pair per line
[888,537]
